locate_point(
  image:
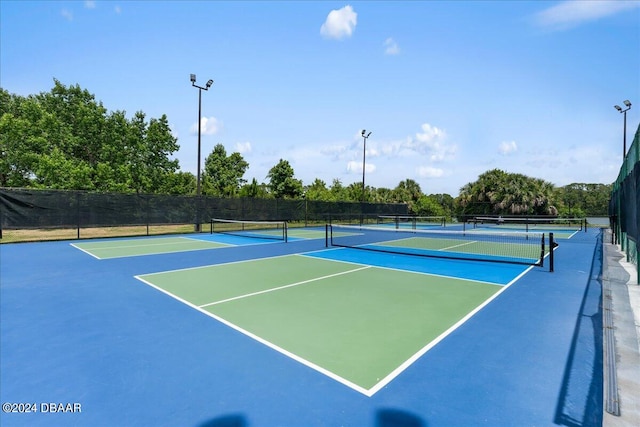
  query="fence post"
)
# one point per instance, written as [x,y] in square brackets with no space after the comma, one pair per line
[78,213]
[552,246]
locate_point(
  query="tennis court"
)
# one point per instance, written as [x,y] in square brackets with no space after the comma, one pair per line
[561,228]
[230,330]
[128,247]
[357,323]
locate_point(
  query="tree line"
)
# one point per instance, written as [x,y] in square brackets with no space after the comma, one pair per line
[65,139]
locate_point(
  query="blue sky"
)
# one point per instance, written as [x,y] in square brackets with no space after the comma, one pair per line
[449,89]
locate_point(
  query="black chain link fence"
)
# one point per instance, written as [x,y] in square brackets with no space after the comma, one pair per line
[624,204]
[29,214]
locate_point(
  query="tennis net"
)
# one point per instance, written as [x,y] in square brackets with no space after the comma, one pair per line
[275,230]
[519,248]
[411,221]
[530,223]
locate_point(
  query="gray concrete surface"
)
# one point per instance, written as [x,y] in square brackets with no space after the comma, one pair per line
[619,280]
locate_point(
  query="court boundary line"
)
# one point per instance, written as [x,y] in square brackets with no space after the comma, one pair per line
[224,245]
[411,360]
[263,341]
[424,273]
[264,291]
[222,263]
[86,252]
[384,381]
[307,255]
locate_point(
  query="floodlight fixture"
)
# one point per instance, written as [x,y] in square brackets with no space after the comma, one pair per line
[198,183]
[627,104]
[365,135]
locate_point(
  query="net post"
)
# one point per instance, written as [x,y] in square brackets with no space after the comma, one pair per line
[552,246]
[326,235]
[285,231]
[211,226]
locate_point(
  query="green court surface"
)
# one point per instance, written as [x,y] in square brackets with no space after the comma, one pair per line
[306,233]
[135,247]
[360,325]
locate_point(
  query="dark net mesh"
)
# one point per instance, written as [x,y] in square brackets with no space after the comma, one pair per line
[52,209]
[624,205]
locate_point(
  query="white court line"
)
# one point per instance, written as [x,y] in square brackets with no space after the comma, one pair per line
[184,240]
[220,264]
[269,344]
[457,246]
[384,381]
[85,251]
[284,287]
[401,270]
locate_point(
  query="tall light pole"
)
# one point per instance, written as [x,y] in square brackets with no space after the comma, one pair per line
[198,185]
[624,135]
[365,135]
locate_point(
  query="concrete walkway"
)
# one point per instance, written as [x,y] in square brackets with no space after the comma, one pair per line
[620,283]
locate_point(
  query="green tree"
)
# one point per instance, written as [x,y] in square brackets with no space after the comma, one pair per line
[16,133]
[338,191]
[354,192]
[65,139]
[428,206]
[282,182]
[318,191]
[580,199]
[255,190]
[383,195]
[179,183]
[446,202]
[407,191]
[500,193]
[223,172]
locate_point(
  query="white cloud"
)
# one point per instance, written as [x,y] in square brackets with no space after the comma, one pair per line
[391,47]
[117,9]
[569,14]
[340,23]
[243,147]
[431,142]
[356,167]
[508,147]
[430,134]
[430,172]
[67,14]
[90,4]
[209,126]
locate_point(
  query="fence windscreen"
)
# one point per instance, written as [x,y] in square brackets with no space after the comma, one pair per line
[51,209]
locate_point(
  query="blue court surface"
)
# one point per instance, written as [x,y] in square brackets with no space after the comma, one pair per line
[119,332]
